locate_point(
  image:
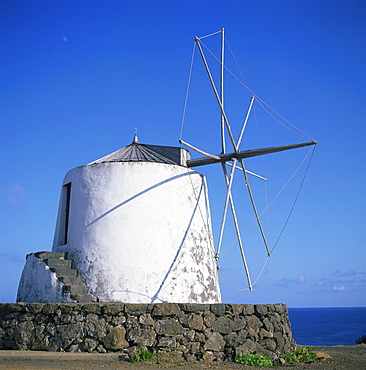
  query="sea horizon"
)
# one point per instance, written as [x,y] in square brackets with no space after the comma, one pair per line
[327,326]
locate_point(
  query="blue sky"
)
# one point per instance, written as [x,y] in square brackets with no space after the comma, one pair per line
[78,76]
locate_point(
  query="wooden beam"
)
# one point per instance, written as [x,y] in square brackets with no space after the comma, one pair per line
[244,154]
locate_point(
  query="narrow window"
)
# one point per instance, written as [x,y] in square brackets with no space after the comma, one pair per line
[64,227]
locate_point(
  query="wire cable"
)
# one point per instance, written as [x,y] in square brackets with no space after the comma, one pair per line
[187,92]
[296,198]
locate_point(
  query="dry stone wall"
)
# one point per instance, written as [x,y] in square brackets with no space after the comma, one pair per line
[189,332]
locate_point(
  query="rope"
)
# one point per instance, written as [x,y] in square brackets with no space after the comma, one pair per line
[255,282]
[283,188]
[187,92]
[232,285]
[299,132]
[297,196]
[211,34]
[237,64]
[277,195]
[262,103]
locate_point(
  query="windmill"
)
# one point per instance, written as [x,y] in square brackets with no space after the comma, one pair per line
[135,225]
[233,157]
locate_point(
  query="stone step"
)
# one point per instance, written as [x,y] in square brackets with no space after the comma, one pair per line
[58,263]
[53,255]
[75,289]
[82,298]
[70,280]
[62,267]
[64,272]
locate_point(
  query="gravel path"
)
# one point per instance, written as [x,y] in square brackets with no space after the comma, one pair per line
[336,358]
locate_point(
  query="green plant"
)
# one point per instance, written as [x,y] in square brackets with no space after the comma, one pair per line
[144,356]
[361,340]
[253,360]
[300,354]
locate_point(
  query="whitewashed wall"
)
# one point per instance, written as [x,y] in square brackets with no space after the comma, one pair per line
[141,232]
[39,284]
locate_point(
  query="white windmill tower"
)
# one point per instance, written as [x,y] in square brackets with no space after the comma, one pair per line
[136,226]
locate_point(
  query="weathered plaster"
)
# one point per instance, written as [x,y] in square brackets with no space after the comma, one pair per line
[141,233]
[39,284]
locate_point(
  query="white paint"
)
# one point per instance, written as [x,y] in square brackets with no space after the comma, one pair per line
[39,284]
[140,232]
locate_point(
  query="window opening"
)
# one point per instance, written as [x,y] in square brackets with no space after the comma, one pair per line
[66,196]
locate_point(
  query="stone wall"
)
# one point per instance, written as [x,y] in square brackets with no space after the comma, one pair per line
[183,331]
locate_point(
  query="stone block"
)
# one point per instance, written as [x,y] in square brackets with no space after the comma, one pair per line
[115,339]
[172,326]
[118,320]
[136,309]
[208,356]
[194,307]
[75,348]
[192,321]
[218,309]
[41,319]
[261,309]
[146,320]
[200,337]
[247,346]
[209,319]
[95,326]
[35,308]
[253,322]
[112,308]
[166,309]
[215,342]
[89,344]
[92,308]
[16,307]
[167,342]
[50,308]
[236,309]
[232,339]
[224,325]
[195,347]
[268,344]
[248,309]
[68,333]
[143,336]
[265,334]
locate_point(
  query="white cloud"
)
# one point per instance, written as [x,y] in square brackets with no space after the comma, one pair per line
[301,279]
[339,288]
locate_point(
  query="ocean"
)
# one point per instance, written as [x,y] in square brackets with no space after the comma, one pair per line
[327,326]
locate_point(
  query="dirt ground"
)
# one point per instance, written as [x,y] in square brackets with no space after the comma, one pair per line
[336,358]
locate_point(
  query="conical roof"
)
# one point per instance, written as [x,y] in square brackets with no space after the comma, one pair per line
[137,152]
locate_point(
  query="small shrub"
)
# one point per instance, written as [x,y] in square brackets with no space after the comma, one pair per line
[300,354]
[253,360]
[144,356]
[361,340]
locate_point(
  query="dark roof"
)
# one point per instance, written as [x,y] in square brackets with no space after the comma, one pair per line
[137,152]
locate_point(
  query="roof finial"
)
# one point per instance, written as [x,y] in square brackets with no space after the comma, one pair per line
[135,139]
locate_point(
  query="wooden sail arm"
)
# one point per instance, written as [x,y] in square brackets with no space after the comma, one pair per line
[244,154]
